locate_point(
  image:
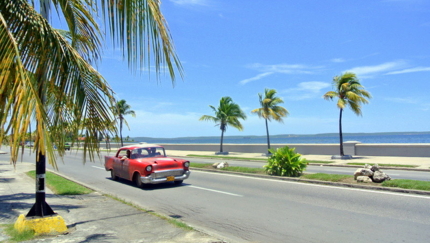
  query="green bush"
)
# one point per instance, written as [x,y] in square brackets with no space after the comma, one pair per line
[285,162]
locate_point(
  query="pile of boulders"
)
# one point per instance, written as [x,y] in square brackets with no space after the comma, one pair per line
[370,173]
[220,165]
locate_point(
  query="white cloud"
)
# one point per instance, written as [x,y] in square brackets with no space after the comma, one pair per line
[403,100]
[190,2]
[338,60]
[306,90]
[411,70]
[259,76]
[283,68]
[384,67]
[278,68]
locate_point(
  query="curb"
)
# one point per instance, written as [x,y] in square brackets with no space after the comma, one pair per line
[329,183]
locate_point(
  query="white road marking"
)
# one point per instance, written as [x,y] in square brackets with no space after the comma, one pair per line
[98,167]
[326,186]
[212,190]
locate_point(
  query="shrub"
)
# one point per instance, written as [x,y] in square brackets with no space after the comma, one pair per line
[285,162]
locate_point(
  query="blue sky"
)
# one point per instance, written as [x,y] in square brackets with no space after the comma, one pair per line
[238,48]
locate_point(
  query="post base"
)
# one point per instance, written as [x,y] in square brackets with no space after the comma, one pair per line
[341,157]
[221,153]
[53,224]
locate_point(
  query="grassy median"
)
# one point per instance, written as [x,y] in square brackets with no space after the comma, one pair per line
[399,183]
[249,159]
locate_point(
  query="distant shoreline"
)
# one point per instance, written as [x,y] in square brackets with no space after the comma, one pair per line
[292,135]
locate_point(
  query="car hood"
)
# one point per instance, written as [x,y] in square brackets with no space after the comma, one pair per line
[163,163]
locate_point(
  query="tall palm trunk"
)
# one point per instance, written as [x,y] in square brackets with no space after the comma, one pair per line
[340,133]
[268,138]
[120,131]
[222,138]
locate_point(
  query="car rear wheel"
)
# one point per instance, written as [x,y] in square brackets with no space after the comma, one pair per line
[178,182]
[137,180]
[113,176]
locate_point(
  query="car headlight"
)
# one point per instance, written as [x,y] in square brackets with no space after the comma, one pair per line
[149,168]
[187,164]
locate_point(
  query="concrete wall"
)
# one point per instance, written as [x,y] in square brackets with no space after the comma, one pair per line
[351,148]
[407,150]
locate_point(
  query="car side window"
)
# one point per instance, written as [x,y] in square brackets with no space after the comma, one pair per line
[122,153]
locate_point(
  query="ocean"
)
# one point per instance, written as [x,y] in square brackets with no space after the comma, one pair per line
[419,137]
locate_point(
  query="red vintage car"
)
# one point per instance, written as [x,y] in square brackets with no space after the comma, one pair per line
[146,164]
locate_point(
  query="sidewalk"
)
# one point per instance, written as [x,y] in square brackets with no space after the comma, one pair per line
[90,218]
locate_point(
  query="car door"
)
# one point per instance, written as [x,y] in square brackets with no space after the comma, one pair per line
[118,164]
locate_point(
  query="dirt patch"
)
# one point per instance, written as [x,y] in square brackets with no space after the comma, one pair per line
[352,181]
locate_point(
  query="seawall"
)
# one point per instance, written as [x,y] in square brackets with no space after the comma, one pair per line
[350,148]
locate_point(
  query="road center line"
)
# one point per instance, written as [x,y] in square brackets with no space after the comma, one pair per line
[98,167]
[212,190]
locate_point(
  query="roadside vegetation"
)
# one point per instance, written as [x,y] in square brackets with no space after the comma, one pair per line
[16,236]
[250,159]
[61,186]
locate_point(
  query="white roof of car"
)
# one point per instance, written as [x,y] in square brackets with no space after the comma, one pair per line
[142,145]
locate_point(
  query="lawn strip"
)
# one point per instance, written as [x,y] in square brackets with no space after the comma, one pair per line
[387,165]
[60,185]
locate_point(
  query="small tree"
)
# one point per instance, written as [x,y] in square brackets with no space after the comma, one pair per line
[122,109]
[227,113]
[350,93]
[285,162]
[270,109]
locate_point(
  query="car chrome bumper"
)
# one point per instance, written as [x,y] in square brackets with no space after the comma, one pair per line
[152,179]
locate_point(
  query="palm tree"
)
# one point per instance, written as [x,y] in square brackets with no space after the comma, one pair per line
[350,92]
[270,109]
[228,113]
[49,75]
[122,109]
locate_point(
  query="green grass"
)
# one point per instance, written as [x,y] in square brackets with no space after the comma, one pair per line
[326,177]
[245,170]
[15,235]
[61,186]
[243,158]
[408,184]
[387,165]
[224,157]
[230,168]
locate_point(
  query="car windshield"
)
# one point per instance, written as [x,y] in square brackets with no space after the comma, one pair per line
[147,152]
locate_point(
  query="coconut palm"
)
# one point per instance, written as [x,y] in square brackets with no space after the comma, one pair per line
[123,109]
[270,109]
[350,92]
[228,113]
[49,75]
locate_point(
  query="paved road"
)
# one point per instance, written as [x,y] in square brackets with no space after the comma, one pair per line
[247,209]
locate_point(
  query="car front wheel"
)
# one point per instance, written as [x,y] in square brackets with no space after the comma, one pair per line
[113,176]
[137,180]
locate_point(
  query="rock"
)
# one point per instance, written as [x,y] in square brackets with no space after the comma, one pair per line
[364,179]
[220,165]
[362,172]
[380,177]
[374,168]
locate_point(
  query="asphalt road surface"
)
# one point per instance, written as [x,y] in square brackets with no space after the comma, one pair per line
[247,209]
